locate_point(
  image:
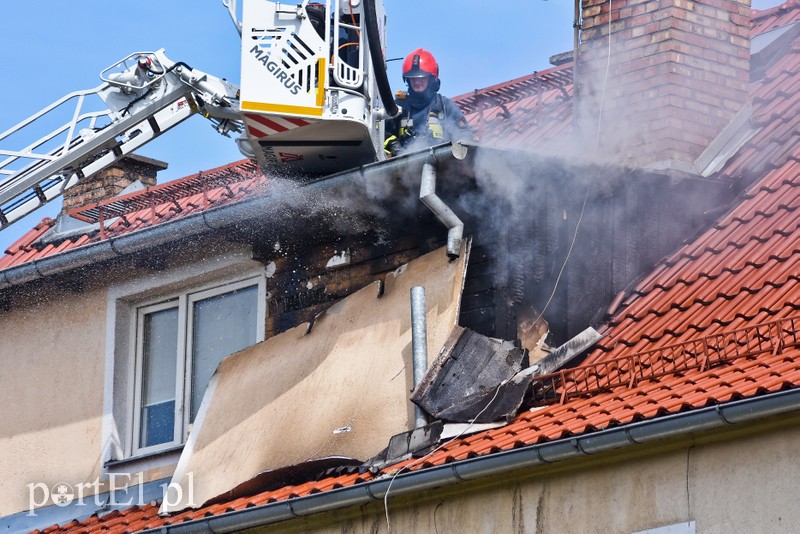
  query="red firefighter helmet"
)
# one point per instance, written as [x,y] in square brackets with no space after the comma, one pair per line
[419,64]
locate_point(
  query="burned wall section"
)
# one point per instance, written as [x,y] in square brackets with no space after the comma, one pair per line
[524,213]
[337,236]
[307,282]
[520,211]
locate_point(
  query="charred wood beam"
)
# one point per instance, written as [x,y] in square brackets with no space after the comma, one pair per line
[566,353]
[470,380]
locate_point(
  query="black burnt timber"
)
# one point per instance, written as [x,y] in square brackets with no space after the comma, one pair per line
[290,475]
[413,443]
[469,380]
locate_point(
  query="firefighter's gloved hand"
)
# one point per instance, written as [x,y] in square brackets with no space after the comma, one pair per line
[391,146]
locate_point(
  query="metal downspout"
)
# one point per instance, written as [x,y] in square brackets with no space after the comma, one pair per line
[428,196]
[419,345]
[717,416]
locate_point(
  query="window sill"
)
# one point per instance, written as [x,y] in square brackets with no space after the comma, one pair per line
[148,460]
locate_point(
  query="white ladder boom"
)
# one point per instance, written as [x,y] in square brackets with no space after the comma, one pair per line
[144,95]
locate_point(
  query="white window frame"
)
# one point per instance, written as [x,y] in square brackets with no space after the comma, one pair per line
[184,301]
[197,296]
[138,362]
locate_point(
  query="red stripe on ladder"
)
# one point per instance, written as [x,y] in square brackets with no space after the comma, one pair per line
[298,122]
[269,123]
[256,133]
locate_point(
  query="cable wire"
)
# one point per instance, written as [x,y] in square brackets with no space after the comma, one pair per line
[440,447]
[605,81]
[566,259]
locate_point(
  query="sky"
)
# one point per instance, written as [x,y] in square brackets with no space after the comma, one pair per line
[52,47]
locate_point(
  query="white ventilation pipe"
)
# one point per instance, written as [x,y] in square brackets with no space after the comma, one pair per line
[419,345]
[427,194]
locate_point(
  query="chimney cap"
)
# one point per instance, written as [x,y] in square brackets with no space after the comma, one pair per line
[562,58]
[141,160]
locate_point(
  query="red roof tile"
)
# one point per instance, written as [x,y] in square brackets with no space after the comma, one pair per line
[742,271]
[776,113]
[521,112]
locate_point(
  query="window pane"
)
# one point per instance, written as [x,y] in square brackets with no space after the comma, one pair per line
[159,357]
[221,325]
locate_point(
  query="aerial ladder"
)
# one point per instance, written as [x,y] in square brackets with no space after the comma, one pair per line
[312,82]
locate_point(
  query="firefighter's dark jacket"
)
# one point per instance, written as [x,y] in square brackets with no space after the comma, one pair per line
[420,107]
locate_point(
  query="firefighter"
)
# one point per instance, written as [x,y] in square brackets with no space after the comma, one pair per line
[428,118]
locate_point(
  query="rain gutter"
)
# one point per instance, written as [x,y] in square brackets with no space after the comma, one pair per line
[672,426]
[213,219]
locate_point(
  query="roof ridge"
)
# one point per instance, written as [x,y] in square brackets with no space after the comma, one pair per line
[553,78]
[757,14]
[759,18]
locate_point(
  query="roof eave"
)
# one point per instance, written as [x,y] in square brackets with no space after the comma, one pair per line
[671,426]
[211,220]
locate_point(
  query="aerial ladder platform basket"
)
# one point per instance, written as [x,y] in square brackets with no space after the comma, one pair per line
[308,97]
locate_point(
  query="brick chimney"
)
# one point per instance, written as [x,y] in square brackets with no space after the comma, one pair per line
[111,181]
[677,73]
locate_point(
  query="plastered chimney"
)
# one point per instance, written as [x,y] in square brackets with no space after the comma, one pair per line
[676,74]
[111,181]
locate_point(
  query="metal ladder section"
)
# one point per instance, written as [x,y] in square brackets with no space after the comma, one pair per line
[140,108]
[45,175]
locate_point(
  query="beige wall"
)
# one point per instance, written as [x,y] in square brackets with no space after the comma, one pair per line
[51,392]
[283,402]
[54,387]
[747,485]
[53,384]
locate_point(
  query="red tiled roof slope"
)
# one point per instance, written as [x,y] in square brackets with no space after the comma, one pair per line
[740,272]
[776,114]
[521,113]
[223,185]
[775,17]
